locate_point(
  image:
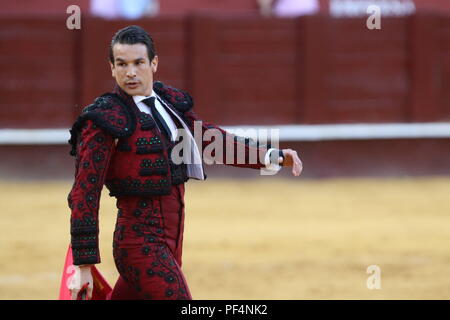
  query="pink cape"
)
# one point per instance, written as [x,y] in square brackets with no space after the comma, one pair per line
[102,290]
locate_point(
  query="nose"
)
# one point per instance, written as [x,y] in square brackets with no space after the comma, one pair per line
[131,72]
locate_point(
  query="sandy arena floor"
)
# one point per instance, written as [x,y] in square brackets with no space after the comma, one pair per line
[257,239]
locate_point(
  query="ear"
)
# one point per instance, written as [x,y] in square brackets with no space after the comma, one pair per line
[113,69]
[154,64]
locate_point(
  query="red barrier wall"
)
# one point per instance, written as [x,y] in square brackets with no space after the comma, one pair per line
[354,74]
[240,70]
[245,71]
[430,68]
[38,73]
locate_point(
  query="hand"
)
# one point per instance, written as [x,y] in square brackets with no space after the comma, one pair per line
[81,276]
[291,159]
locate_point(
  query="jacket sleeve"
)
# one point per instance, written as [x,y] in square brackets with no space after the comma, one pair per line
[247,153]
[93,153]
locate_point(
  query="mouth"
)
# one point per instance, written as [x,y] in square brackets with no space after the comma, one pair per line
[132,84]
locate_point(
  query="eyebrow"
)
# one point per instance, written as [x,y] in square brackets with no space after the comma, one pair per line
[122,60]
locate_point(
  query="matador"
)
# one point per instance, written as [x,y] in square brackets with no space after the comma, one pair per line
[124,140]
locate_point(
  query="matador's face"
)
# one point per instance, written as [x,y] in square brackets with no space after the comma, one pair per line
[132,69]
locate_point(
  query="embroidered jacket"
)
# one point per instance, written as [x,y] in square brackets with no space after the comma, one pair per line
[117,145]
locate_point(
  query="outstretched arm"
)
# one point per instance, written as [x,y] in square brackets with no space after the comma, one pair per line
[268,157]
[234,150]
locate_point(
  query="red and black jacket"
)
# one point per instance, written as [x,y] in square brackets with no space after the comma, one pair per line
[117,145]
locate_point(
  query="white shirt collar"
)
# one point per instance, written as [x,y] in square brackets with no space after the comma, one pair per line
[138,99]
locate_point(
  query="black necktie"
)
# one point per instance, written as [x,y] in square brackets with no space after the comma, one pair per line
[150,102]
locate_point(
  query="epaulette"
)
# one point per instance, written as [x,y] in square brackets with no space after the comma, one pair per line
[180,99]
[108,112]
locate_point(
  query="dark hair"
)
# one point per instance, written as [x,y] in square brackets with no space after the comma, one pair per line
[132,35]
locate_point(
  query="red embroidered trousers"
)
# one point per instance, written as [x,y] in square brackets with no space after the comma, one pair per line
[147,247]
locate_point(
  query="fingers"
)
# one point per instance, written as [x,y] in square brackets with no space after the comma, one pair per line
[297,165]
[74,294]
[89,291]
[297,169]
[86,291]
[81,282]
[74,287]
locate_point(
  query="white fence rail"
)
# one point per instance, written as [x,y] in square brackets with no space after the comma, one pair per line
[286,132]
